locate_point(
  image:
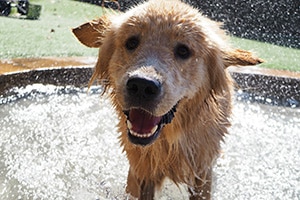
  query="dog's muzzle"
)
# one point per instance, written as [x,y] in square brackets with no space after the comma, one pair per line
[143,127]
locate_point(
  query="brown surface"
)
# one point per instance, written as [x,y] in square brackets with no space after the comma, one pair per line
[264,71]
[24,64]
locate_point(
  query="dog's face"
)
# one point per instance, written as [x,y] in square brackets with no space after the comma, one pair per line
[153,57]
[158,60]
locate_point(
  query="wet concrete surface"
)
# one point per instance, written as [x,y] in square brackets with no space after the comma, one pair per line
[17,65]
[267,86]
[56,71]
[255,84]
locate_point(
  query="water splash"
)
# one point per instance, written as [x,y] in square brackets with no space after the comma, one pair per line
[64,145]
[52,147]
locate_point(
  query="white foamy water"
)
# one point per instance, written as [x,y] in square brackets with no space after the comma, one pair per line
[64,145]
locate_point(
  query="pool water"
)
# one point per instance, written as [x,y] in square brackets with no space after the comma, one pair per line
[62,143]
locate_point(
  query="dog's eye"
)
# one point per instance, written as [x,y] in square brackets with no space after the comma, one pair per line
[132,43]
[182,51]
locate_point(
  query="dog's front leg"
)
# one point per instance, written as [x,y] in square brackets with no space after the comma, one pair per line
[140,189]
[202,188]
[133,186]
[147,190]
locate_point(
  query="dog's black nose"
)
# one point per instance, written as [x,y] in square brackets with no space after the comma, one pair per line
[144,89]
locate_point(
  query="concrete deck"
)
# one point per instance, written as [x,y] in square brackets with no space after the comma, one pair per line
[263,85]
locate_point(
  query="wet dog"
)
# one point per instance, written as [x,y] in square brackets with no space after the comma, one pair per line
[164,66]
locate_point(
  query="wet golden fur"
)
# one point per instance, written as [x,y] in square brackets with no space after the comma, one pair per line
[187,147]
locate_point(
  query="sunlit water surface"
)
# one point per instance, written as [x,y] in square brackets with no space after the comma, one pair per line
[62,143]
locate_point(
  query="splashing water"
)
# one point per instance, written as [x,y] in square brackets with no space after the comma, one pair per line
[62,143]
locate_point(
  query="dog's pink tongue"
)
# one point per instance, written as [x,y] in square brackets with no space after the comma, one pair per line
[142,122]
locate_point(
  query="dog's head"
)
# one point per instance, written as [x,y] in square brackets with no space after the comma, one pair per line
[155,55]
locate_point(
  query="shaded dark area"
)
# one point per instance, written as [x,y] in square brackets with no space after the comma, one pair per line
[273,21]
[108,4]
[31,11]
[22,6]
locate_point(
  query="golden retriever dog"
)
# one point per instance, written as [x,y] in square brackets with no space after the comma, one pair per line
[164,65]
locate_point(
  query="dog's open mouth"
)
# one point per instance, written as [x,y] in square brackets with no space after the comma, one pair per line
[143,127]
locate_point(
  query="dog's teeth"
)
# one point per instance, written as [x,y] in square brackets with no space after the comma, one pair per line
[153,130]
[134,133]
[140,135]
[129,125]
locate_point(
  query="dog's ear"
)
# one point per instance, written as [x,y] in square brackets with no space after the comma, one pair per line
[217,73]
[239,57]
[105,54]
[91,34]
[98,34]
[217,65]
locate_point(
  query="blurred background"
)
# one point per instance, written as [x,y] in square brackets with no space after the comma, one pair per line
[269,28]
